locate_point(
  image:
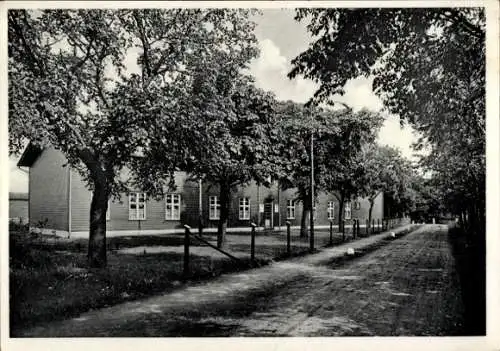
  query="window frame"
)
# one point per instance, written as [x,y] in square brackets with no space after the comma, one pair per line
[172,206]
[213,208]
[245,207]
[331,210]
[138,195]
[348,206]
[290,206]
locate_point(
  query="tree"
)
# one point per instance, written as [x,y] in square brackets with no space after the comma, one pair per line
[427,199]
[385,172]
[227,125]
[338,136]
[345,175]
[234,140]
[297,125]
[428,66]
[70,88]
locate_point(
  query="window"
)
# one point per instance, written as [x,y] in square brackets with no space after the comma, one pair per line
[347,210]
[244,212]
[173,207]
[137,206]
[357,205]
[331,210]
[214,207]
[290,209]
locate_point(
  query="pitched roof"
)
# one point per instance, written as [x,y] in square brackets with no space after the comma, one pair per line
[29,156]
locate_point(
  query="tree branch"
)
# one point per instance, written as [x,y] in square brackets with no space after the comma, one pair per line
[456,18]
[76,132]
[33,62]
[85,58]
[98,80]
[145,46]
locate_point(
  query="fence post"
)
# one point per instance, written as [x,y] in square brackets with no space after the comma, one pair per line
[357,226]
[186,250]
[252,243]
[378,225]
[354,228]
[288,246]
[373,226]
[331,231]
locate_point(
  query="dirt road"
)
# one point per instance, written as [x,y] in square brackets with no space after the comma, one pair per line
[407,287]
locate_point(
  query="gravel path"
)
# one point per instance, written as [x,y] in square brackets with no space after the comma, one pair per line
[406,287]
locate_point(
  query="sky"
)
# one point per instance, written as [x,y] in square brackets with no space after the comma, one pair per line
[281,38]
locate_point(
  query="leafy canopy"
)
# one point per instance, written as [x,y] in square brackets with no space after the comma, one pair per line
[90,82]
[338,137]
[429,68]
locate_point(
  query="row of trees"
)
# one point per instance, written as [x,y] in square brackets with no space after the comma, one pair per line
[428,67]
[119,90]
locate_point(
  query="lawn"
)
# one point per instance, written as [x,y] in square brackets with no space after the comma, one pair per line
[49,278]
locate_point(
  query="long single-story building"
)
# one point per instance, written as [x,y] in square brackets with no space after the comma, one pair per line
[59,203]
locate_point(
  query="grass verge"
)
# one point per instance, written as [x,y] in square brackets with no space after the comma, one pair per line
[49,278]
[52,282]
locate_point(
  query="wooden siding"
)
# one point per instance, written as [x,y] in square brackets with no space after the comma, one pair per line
[119,208]
[48,187]
[49,199]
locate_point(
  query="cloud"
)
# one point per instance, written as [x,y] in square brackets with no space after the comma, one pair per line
[359,94]
[270,70]
[393,135]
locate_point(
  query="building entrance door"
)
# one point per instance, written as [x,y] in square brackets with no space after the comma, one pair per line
[268,215]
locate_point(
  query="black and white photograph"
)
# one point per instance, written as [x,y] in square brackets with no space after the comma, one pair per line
[191,171]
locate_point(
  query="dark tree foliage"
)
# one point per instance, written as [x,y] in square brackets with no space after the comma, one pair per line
[429,68]
[338,137]
[71,87]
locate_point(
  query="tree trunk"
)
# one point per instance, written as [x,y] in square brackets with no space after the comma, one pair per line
[303,220]
[372,201]
[225,196]
[472,220]
[311,221]
[463,216]
[461,220]
[97,231]
[341,212]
